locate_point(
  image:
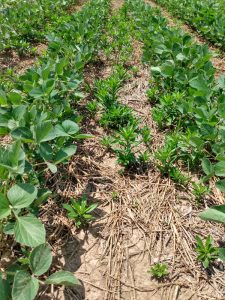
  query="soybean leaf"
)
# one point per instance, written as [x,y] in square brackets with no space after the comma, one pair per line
[221,185]
[44,132]
[207,166]
[62,278]
[25,287]
[4,207]
[67,128]
[3,99]
[29,231]
[40,259]
[22,195]
[46,151]
[22,133]
[221,252]
[65,153]
[214,213]
[4,288]
[14,98]
[220,168]
[52,167]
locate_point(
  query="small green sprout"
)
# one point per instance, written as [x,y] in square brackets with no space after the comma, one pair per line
[207,253]
[159,270]
[80,211]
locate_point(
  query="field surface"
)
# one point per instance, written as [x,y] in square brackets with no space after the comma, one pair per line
[112,150]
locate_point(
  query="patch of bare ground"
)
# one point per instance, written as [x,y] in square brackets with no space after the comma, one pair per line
[11,59]
[141,219]
[218,58]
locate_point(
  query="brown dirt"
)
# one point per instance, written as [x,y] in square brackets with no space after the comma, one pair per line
[218,58]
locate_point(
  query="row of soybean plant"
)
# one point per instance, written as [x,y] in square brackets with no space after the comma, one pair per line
[23,23]
[38,115]
[188,102]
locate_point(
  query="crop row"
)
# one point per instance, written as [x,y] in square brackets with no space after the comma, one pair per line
[207,17]
[189,103]
[38,113]
[25,22]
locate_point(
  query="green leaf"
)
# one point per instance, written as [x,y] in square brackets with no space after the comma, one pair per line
[207,166]
[46,151]
[40,259]
[29,231]
[44,132]
[214,213]
[221,185]
[3,99]
[67,128]
[199,83]
[221,252]
[15,98]
[22,133]
[52,167]
[42,196]
[22,195]
[62,278]
[9,228]
[36,93]
[84,136]
[65,153]
[4,207]
[220,168]
[4,288]
[25,287]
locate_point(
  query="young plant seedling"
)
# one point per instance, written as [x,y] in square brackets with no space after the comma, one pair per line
[199,190]
[159,270]
[207,253]
[80,211]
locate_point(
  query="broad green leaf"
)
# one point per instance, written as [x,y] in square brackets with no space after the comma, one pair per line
[221,185]
[220,169]
[65,153]
[36,93]
[214,213]
[22,195]
[67,128]
[29,231]
[3,99]
[13,158]
[200,84]
[4,207]
[22,133]
[207,166]
[25,287]
[42,196]
[52,167]
[15,98]
[221,252]
[46,151]
[4,288]
[40,259]
[62,278]
[9,228]
[44,132]
[84,136]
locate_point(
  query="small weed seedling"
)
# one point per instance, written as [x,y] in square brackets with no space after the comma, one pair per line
[80,212]
[207,253]
[178,177]
[199,190]
[92,107]
[159,271]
